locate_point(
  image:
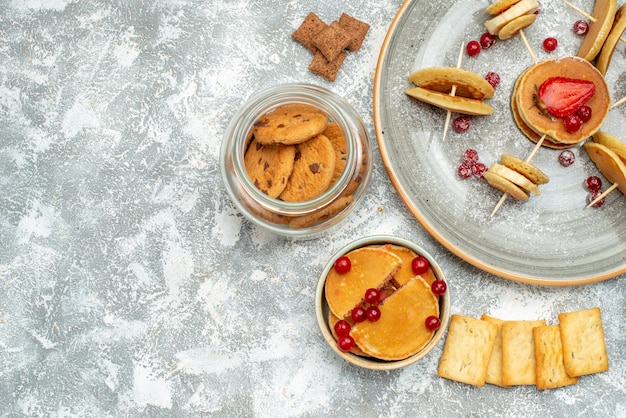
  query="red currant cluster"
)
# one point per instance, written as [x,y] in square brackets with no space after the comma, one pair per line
[462,123]
[470,165]
[574,121]
[474,47]
[594,185]
[368,311]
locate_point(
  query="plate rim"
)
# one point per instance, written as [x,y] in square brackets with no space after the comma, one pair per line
[432,231]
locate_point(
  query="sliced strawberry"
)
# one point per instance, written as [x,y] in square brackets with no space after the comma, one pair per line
[561,96]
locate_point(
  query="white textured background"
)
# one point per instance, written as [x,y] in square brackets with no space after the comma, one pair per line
[129,284]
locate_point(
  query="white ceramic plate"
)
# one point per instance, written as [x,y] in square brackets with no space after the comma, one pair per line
[550,239]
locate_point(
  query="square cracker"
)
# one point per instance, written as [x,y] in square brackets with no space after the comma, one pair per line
[582,336]
[357,28]
[494,370]
[327,69]
[549,357]
[518,352]
[332,41]
[310,27]
[467,350]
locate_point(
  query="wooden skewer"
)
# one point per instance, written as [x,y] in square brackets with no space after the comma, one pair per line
[530,51]
[500,203]
[587,15]
[538,145]
[528,159]
[602,196]
[619,102]
[452,93]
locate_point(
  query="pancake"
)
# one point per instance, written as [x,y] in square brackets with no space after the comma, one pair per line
[401,331]
[609,164]
[405,273]
[611,143]
[604,13]
[456,104]
[500,6]
[527,130]
[504,185]
[570,67]
[514,26]
[606,53]
[442,79]
[526,169]
[371,267]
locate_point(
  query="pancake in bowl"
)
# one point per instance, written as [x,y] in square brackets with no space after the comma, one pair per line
[400,332]
[371,267]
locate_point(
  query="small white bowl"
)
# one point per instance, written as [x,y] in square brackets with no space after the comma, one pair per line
[322,310]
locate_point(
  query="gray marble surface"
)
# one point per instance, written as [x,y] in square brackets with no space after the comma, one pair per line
[130,285]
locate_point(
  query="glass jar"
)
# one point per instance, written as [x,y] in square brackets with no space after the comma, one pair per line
[305,219]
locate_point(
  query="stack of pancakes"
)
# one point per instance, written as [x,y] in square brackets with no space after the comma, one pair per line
[535,123]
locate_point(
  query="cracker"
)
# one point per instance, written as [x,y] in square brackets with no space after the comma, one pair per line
[356,28]
[494,370]
[467,350]
[549,357]
[332,41]
[327,69]
[310,27]
[518,352]
[584,348]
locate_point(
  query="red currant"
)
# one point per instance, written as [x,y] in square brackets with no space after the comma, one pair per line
[538,9]
[493,79]
[373,313]
[342,328]
[584,113]
[342,265]
[593,196]
[593,183]
[566,158]
[358,314]
[372,296]
[461,124]
[432,323]
[550,44]
[439,287]
[420,265]
[581,27]
[465,171]
[473,48]
[487,40]
[345,343]
[470,156]
[572,123]
[478,170]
